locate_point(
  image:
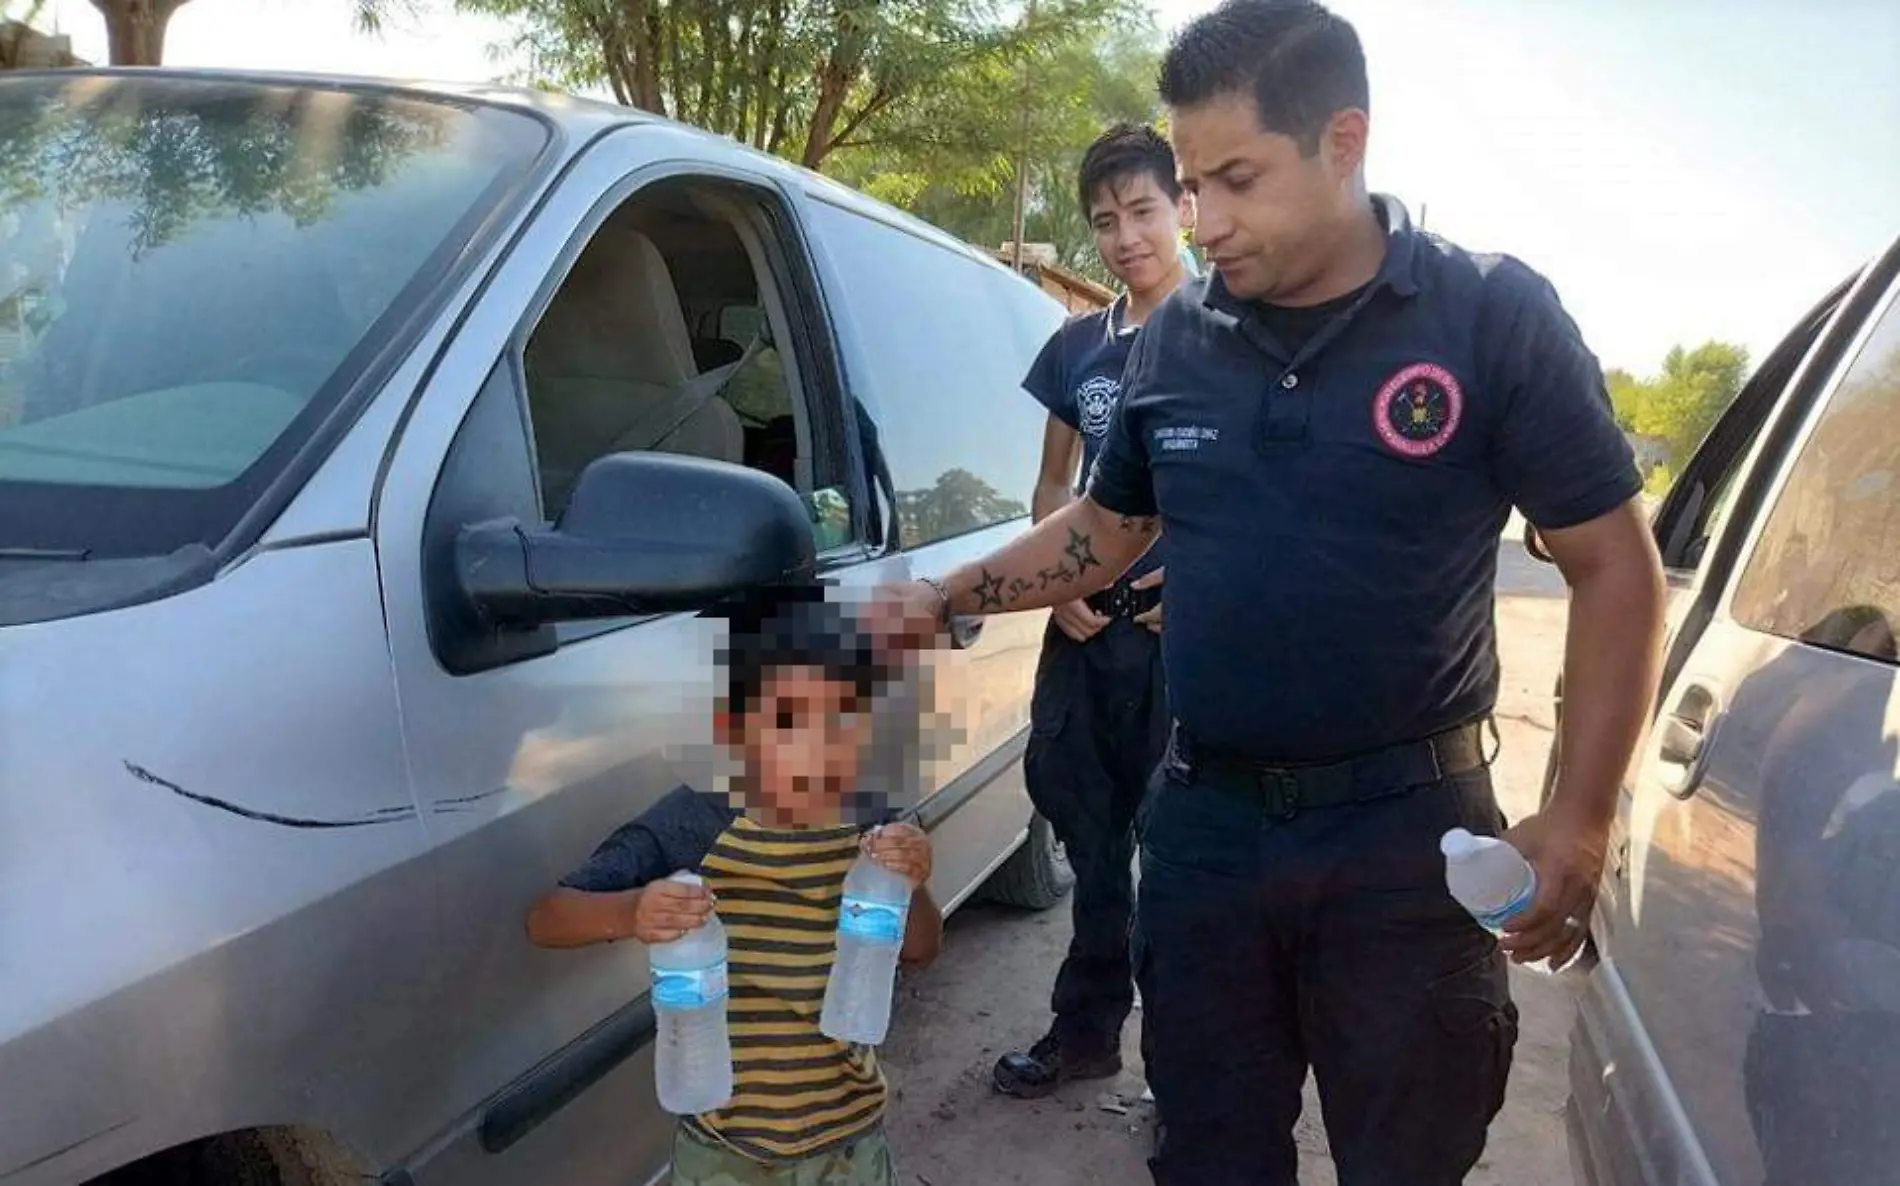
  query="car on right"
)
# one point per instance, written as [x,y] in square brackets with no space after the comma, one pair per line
[1740,1021]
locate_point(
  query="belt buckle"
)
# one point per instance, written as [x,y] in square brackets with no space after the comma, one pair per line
[1280,787]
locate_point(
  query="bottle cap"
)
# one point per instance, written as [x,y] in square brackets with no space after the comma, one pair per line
[1458,843]
[687,877]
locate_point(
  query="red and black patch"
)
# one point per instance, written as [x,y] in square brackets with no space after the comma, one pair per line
[1417,410]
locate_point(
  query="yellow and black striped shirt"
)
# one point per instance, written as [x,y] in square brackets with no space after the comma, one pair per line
[796,1093]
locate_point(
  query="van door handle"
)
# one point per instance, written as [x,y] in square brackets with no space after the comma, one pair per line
[1684,736]
[965,629]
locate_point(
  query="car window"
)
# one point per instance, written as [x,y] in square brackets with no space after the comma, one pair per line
[191,275]
[1826,569]
[945,342]
[659,339]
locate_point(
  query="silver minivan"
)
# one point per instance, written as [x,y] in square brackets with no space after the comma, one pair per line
[364,450]
[1741,1025]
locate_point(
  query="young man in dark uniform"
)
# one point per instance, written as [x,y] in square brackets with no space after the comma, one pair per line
[1099,720]
[1332,430]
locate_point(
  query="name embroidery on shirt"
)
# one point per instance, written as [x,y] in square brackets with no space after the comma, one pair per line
[1183,438]
[1417,410]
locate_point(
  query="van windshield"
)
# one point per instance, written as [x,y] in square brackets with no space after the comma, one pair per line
[192,274]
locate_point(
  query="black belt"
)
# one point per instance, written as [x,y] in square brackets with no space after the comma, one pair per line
[1123,600]
[1287,789]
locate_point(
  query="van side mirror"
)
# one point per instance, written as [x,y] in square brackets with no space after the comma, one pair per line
[643,533]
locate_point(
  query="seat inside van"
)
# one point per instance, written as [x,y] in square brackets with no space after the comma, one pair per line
[630,354]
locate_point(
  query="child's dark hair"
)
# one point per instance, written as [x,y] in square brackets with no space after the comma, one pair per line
[788,631]
[1301,64]
[1123,152]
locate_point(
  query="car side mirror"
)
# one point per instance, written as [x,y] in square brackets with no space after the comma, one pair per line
[643,533]
[1534,544]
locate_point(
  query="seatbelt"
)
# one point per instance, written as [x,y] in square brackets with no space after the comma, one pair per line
[693,396]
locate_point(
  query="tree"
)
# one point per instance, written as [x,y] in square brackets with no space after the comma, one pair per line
[800,78]
[1682,403]
[135,29]
[175,166]
[951,158]
[959,502]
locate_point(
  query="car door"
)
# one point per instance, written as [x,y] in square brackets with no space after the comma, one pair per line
[1743,1022]
[527,749]
[937,342]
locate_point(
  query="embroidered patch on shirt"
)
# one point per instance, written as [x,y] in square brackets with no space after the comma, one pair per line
[1418,409]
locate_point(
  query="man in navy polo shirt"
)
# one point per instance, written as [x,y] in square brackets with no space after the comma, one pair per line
[1332,429]
[1099,719]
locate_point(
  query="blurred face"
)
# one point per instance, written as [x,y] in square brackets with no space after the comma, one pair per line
[802,742]
[1138,231]
[1269,216]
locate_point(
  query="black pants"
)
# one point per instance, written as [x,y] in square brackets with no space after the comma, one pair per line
[1326,941]
[1098,725]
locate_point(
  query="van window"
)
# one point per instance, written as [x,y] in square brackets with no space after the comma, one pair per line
[1826,570]
[945,342]
[670,334]
[194,272]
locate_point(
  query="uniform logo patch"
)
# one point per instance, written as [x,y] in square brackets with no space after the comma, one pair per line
[1417,410]
[1095,404]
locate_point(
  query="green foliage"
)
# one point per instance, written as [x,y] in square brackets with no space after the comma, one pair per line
[958,151]
[801,78]
[959,502]
[174,167]
[1681,404]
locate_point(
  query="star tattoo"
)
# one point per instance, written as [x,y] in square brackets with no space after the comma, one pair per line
[1081,549]
[989,591]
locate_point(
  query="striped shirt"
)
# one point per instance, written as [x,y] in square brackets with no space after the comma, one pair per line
[796,1093]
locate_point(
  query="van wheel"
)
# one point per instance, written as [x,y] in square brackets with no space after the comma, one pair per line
[1036,876]
[264,1158]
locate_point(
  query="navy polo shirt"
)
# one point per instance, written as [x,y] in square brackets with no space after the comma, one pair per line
[1333,512]
[1078,377]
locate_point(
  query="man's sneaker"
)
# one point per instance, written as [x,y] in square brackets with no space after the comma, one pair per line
[1037,1072]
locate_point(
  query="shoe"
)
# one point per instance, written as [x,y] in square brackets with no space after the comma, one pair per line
[1032,1074]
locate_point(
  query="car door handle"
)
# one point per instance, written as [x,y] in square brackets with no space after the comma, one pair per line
[1683,739]
[965,629]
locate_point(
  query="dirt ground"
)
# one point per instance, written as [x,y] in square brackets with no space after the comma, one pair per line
[990,991]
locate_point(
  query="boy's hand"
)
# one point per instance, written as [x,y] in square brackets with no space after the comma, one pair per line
[666,910]
[904,849]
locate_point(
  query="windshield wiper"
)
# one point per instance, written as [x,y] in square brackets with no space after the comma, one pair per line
[45,553]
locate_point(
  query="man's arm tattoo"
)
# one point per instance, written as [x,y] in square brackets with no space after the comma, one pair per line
[1060,572]
[1138,524]
[1081,550]
[989,591]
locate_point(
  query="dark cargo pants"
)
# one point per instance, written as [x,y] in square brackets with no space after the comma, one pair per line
[1325,940]
[1098,726]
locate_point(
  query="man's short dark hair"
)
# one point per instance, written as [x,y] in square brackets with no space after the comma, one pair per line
[1301,63]
[796,629]
[1123,152]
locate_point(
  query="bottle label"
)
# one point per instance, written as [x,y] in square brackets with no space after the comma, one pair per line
[1494,920]
[689,988]
[872,921]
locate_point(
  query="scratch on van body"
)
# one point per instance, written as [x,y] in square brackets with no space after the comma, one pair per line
[386,815]
[464,802]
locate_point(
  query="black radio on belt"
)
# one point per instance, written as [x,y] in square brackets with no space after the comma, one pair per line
[1123,600]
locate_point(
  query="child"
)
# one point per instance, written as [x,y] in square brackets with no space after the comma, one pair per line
[805,1108]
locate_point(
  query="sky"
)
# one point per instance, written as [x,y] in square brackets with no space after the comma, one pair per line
[1681,169]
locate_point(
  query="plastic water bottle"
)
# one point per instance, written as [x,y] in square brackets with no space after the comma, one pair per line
[870,933]
[1488,877]
[692,1065]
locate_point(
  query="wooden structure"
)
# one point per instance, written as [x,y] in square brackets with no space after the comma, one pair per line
[1077,293]
[22,47]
